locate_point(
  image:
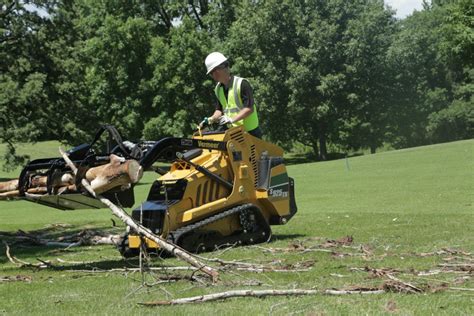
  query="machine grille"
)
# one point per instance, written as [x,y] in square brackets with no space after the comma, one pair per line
[253,161]
[206,192]
[198,196]
[238,136]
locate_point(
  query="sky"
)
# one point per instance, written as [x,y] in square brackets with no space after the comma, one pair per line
[405,7]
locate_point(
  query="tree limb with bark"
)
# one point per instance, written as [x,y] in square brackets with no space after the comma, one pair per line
[124,217]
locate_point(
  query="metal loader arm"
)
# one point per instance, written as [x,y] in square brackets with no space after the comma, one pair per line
[169,146]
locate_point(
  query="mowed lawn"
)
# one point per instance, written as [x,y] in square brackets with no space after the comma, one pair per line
[409,212]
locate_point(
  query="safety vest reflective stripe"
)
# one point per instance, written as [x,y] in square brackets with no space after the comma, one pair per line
[236,88]
[233,110]
[233,104]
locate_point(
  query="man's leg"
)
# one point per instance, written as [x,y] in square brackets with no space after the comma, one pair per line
[257,132]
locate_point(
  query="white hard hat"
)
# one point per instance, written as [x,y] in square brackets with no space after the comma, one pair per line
[213,60]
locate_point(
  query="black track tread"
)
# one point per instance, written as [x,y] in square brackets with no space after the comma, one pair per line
[175,235]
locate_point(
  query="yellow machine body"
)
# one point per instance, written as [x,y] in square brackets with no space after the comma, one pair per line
[210,213]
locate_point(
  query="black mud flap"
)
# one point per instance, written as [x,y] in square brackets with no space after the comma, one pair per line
[281,220]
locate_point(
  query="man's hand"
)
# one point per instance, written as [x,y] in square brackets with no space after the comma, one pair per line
[212,120]
[208,121]
[224,120]
[204,122]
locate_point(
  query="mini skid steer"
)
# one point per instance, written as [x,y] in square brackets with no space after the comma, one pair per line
[222,188]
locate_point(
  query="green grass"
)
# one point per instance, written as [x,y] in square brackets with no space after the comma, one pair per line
[35,151]
[399,204]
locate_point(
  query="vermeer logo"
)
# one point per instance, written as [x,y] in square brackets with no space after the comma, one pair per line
[208,145]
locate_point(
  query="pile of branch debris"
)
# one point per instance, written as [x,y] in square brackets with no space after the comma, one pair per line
[83,237]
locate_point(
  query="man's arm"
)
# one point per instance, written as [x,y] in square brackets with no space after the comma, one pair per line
[242,114]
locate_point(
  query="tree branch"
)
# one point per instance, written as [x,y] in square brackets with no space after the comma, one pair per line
[201,25]
[164,16]
[229,294]
[117,211]
[259,294]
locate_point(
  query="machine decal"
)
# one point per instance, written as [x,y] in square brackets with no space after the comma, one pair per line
[202,144]
[186,142]
[279,187]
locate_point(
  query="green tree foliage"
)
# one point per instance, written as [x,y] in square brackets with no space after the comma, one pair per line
[182,92]
[339,79]
[457,44]
[24,70]
[367,119]
[117,73]
[327,74]
[261,43]
[430,58]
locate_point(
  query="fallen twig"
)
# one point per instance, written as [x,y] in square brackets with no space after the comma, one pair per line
[380,272]
[445,270]
[328,246]
[260,268]
[445,251]
[466,266]
[266,269]
[345,292]
[17,278]
[132,270]
[461,289]
[21,263]
[401,286]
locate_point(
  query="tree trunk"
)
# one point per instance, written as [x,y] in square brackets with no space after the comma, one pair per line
[323,151]
[314,144]
[373,149]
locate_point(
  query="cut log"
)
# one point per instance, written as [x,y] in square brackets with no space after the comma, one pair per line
[116,173]
[16,193]
[38,181]
[119,172]
[10,185]
[38,190]
[58,180]
[9,194]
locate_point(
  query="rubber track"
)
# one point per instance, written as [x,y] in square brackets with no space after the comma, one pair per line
[175,235]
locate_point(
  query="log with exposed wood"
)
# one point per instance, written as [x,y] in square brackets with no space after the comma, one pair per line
[16,193]
[10,185]
[117,173]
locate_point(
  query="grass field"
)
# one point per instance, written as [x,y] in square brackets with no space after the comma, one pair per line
[408,211]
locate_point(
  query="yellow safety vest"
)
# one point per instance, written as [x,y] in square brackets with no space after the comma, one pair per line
[233,104]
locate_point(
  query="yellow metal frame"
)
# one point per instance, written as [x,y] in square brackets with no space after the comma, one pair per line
[237,165]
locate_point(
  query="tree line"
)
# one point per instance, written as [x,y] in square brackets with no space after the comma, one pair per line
[332,75]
